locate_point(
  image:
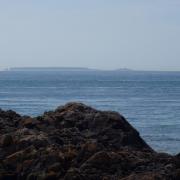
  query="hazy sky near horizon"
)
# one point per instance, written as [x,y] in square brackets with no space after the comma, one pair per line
[100,34]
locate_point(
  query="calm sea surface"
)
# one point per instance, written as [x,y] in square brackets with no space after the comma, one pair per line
[149,100]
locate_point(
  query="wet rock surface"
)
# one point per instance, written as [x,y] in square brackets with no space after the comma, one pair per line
[77,142]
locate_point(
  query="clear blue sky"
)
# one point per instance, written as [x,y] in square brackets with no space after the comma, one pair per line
[100,34]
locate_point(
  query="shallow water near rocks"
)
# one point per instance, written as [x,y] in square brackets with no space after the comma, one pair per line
[149,100]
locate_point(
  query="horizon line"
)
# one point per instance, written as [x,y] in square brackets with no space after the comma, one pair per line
[80,68]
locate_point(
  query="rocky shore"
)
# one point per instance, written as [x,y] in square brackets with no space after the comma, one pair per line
[77,142]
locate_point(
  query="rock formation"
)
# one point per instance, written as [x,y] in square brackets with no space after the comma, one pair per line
[77,142]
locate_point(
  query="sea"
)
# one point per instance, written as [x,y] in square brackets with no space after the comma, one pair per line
[150,101]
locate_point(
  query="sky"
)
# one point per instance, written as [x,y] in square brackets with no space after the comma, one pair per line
[101,34]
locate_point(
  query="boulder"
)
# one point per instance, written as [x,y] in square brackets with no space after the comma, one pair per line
[7,140]
[77,142]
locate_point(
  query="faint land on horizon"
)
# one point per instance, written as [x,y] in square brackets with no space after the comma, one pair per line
[62,69]
[76,69]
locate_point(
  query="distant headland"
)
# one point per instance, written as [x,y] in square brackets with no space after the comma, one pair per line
[83,69]
[49,69]
[59,69]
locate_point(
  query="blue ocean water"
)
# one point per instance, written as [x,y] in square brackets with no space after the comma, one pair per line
[149,100]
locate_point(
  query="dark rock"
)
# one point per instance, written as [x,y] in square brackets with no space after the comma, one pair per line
[28,123]
[77,142]
[51,176]
[32,176]
[8,176]
[56,167]
[73,174]
[7,140]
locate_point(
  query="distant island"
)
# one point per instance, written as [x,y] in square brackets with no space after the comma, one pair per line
[124,69]
[49,69]
[83,69]
[61,69]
